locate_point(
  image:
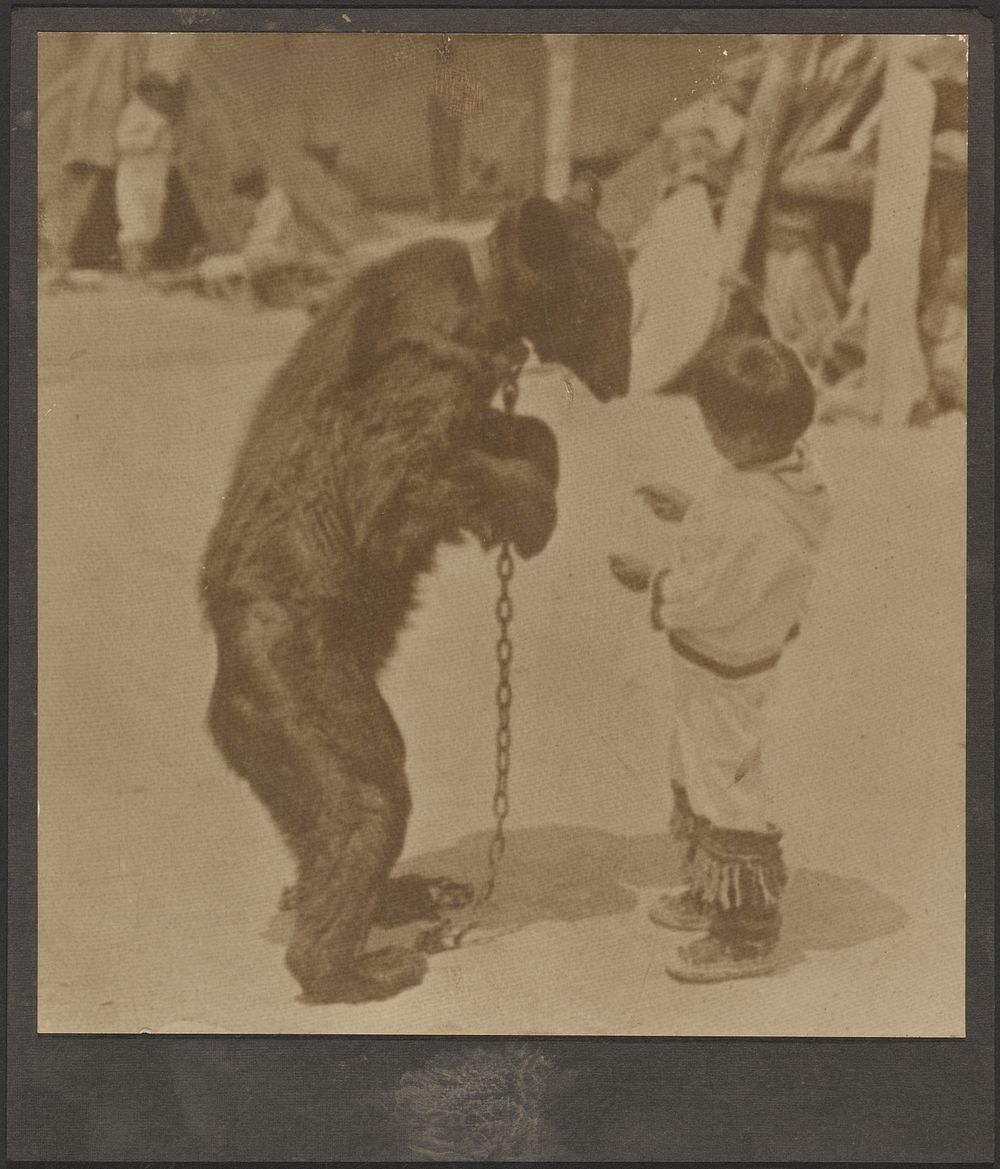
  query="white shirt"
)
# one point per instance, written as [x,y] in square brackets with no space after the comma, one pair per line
[273,221]
[142,130]
[744,561]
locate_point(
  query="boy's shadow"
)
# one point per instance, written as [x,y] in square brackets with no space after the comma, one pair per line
[566,874]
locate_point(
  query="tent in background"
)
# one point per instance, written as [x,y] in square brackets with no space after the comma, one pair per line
[358,100]
[84,80]
[230,122]
[244,105]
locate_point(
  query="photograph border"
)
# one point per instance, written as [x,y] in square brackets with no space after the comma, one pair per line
[809,1100]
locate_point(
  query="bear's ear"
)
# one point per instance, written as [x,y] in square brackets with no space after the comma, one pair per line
[542,238]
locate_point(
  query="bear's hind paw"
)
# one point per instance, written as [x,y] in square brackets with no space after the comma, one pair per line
[373,977]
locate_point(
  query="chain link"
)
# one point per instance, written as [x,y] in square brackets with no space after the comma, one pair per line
[504,698]
[437,938]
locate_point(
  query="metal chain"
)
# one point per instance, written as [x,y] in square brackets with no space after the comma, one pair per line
[504,695]
[438,937]
[505,698]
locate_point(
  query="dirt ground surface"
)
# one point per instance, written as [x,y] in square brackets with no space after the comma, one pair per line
[160,875]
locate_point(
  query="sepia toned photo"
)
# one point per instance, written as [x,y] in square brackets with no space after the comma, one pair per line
[501,535]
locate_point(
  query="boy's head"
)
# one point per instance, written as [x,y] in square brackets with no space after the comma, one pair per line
[756,398]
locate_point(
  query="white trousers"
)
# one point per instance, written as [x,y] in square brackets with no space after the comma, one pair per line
[140,193]
[715,741]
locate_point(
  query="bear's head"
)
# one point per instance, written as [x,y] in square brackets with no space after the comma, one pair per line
[563,285]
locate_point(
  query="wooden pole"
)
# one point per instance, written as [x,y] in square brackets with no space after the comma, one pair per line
[895,369]
[763,136]
[559,113]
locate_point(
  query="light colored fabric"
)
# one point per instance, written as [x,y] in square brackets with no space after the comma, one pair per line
[144,141]
[895,366]
[142,130]
[744,560]
[140,193]
[675,287]
[218,273]
[98,88]
[273,240]
[715,743]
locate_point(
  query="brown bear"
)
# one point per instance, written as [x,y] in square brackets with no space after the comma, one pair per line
[374,444]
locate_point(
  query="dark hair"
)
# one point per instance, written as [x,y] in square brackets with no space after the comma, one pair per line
[155,89]
[252,182]
[756,386]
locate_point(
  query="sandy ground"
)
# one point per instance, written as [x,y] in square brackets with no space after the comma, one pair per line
[160,875]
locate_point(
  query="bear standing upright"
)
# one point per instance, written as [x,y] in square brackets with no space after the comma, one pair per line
[375,443]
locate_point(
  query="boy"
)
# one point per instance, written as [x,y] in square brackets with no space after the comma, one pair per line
[144,140]
[743,562]
[271,250]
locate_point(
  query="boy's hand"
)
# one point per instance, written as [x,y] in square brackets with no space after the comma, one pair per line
[666,502]
[633,573]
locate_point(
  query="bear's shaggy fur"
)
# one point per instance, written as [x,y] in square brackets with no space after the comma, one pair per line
[374,444]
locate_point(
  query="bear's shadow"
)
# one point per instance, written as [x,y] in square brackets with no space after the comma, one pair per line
[559,873]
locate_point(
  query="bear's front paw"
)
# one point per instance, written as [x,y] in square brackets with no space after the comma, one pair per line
[524,438]
[515,502]
[533,525]
[534,442]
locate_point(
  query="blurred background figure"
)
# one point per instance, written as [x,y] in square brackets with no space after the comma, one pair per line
[144,139]
[798,292]
[747,179]
[85,80]
[272,251]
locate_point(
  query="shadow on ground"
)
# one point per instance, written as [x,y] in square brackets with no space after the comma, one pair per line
[566,874]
